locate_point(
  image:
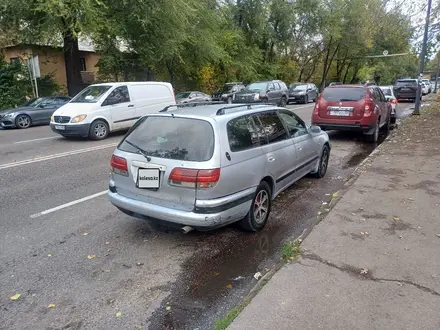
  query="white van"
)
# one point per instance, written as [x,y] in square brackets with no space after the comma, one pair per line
[103,108]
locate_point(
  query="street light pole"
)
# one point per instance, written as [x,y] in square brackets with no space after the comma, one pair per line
[422,62]
[436,74]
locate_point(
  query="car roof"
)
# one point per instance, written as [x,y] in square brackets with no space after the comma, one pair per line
[348,86]
[133,83]
[210,110]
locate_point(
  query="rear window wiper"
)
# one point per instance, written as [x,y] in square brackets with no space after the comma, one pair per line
[142,151]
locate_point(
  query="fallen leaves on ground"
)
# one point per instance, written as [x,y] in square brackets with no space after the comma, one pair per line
[49,255]
[91,256]
[217,274]
[335,195]
[51,306]
[168,308]
[364,271]
[229,286]
[257,275]
[16,296]
[396,218]
[84,234]
[118,314]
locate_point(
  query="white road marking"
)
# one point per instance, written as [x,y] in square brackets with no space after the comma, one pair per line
[46,138]
[60,207]
[54,156]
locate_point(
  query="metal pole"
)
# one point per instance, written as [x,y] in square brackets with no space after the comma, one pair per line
[422,62]
[436,74]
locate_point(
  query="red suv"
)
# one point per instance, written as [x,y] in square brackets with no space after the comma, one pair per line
[353,108]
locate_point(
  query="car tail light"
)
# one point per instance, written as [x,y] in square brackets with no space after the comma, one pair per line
[393,101]
[192,178]
[316,110]
[119,165]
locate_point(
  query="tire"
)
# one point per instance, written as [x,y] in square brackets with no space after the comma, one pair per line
[306,99]
[323,163]
[283,102]
[98,130]
[387,126]
[373,138]
[23,121]
[256,219]
[265,100]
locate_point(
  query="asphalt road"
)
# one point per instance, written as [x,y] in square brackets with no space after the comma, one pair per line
[63,243]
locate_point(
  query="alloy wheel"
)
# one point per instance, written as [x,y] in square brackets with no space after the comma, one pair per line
[100,130]
[23,121]
[261,207]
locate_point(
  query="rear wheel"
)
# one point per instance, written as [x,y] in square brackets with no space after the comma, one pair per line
[283,102]
[259,211]
[23,121]
[373,138]
[323,162]
[98,130]
[387,126]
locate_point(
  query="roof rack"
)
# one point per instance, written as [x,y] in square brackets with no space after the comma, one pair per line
[190,104]
[248,106]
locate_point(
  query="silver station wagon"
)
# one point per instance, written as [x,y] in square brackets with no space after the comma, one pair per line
[206,166]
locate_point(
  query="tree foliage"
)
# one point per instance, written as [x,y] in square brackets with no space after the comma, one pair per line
[200,44]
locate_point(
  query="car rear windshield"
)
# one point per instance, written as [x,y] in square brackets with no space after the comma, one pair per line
[344,94]
[171,138]
[400,83]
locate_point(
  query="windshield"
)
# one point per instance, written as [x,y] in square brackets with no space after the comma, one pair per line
[300,87]
[351,94]
[386,91]
[34,102]
[400,83]
[91,94]
[183,95]
[172,138]
[227,88]
[259,86]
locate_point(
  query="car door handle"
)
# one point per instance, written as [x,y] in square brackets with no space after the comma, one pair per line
[270,158]
[131,105]
[299,148]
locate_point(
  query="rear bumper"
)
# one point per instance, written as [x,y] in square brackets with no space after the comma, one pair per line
[72,130]
[345,127]
[206,213]
[296,98]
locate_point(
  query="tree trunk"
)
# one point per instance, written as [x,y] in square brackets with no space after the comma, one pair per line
[324,69]
[346,72]
[72,63]
[170,72]
[311,72]
[151,76]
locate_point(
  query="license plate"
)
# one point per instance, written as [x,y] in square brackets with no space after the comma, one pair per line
[340,113]
[60,128]
[148,178]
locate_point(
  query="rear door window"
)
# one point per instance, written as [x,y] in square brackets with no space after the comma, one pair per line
[242,134]
[273,127]
[172,138]
[118,95]
[277,86]
[344,94]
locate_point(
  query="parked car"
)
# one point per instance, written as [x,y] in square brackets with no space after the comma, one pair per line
[425,88]
[191,167]
[405,89]
[186,97]
[270,91]
[302,93]
[103,108]
[35,112]
[392,100]
[353,108]
[428,84]
[226,93]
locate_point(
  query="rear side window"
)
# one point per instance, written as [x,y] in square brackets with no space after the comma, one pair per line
[273,127]
[277,86]
[387,91]
[242,134]
[344,94]
[172,138]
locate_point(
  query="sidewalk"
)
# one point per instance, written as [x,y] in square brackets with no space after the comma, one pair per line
[374,261]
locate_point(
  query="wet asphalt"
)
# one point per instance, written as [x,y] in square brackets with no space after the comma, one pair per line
[104,270]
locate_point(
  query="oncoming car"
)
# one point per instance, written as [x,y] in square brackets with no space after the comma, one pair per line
[191,166]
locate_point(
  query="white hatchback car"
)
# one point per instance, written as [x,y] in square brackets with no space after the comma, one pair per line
[103,108]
